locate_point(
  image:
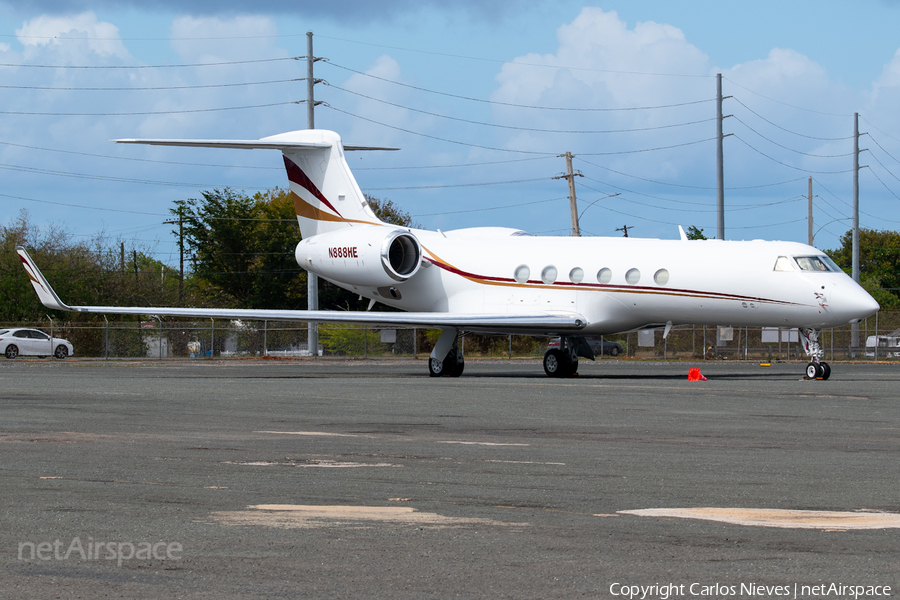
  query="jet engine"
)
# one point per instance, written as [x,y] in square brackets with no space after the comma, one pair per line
[371,256]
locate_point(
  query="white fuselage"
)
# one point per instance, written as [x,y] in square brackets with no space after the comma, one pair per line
[708,282]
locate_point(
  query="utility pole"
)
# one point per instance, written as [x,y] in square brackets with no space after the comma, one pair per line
[312,280]
[625,228]
[720,164]
[180,222]
[573,202]
[856,199]
[810,219]
[854,328]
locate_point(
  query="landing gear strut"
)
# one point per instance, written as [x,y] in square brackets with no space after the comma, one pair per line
[817,368]
[446,359]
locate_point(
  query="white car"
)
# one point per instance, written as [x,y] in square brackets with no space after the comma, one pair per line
[14,342]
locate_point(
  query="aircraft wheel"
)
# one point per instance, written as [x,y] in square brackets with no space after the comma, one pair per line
[452,366]
[12,351]
[554,363]
[61,352]
[573,368]
[813,370]
[826,370]
[435,367]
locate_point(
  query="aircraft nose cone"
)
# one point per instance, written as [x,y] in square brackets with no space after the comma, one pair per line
[857,303]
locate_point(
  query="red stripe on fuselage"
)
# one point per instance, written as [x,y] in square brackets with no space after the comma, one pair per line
[639,289]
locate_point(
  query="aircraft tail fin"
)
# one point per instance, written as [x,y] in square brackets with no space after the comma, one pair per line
[326,195]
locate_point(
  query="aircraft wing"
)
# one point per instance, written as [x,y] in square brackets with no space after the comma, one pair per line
[548,322]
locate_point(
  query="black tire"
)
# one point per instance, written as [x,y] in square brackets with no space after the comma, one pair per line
[458,368]
[61,352]
[12,351]
[614,351]
[452,366]
[554,363]
[813,371]
[826,370]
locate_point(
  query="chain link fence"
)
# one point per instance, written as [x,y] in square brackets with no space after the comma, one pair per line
[879,339]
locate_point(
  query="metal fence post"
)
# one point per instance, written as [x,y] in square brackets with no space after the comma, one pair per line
[212,346]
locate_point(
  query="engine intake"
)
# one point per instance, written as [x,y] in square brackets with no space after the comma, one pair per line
[373,256]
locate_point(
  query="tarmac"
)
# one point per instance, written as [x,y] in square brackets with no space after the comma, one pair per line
[322,478]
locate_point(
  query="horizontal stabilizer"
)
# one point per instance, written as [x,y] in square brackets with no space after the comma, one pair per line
[262,144]
[293,141]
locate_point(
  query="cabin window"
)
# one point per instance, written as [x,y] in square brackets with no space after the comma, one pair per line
[661,277]
[548,275]
[522,273]
[783,264]
[604,275]
[633,276]
[576,275]
[812,263]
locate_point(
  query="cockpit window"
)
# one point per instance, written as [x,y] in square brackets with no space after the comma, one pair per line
[834,266]
[783,264]
[812,263]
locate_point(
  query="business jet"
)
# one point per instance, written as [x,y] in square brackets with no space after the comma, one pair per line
[495,280]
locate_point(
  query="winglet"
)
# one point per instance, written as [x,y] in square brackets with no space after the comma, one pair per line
[46,294]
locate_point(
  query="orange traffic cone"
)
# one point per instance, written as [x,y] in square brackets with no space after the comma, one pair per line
[695,375]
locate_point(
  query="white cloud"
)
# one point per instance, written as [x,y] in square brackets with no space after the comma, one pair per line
[100,38]
[602,64]
[207,38]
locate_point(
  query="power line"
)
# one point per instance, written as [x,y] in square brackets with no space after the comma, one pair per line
[456,185]
[791,149]
[620,152]
[785,103]
[681,185]
[132,89]
[561,108]
[514,127]
[113,67]
[434,137]
[479,164]
[519,63]
[143,113]
[849,137]
[163,162]
[471,210]
[737,137]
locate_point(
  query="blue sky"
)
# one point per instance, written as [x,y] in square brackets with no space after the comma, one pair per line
[472,92]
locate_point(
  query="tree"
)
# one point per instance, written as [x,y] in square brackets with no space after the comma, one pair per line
[693,233]
[879,263]
[241,249]
[389,212]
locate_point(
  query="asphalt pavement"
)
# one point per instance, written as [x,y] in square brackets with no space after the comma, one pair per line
[345,479]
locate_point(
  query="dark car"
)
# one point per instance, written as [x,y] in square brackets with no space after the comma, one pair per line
[600,346]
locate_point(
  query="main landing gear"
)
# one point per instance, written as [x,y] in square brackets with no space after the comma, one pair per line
[563,361]
[446,359]
[817,368]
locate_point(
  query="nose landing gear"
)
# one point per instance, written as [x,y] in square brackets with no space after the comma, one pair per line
[817,368]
